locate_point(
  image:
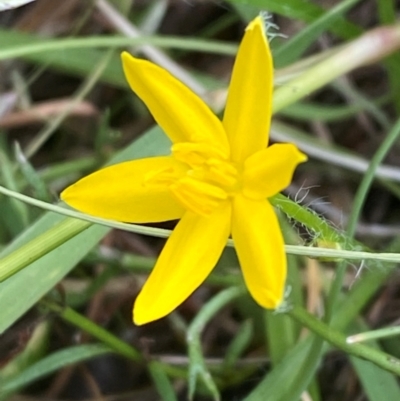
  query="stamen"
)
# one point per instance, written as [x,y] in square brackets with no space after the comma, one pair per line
[161,178]
[209,179]
[195,154]
[198,196]
[203,188]
[222,173]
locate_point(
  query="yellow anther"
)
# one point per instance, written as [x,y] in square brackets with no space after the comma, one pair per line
[198,196]
[222,173]
[196,153]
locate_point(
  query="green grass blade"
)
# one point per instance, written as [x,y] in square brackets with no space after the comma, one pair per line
[52,363]
[306,11]
[240,342]
[50,240]
[375,381]
[292,49]
[388,15]
[46,272]
[15,215]
[77,56]
[162,382]
[73,62]
[303,358]
[197,365]
[368,178]
[281,335]
[327,113]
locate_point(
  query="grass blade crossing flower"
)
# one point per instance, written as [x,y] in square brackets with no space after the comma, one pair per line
[217,181]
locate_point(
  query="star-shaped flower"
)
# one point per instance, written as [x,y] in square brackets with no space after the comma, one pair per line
[217,181]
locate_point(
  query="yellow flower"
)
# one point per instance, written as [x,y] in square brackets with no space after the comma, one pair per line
[216,181]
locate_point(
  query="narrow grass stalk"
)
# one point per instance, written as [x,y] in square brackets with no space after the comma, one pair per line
[17,260]
[366,182]
[358,203]
[40,246]
[367,49]
[197,366]
[374,335]
[338,340]
[96,331]
[172,42]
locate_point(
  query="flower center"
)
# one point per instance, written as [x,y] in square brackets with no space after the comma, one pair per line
[208,180]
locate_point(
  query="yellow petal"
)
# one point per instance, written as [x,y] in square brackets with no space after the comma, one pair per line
[270,170]
[260,248]
[181,114]
[119,193]
[186,260]
[248,109]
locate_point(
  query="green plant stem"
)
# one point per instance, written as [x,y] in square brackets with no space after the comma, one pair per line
[173,42]
[61,233]
[40,246]
[310,219]
[96,331]
[337,339]
[117,345]
[197,366]
[374,335]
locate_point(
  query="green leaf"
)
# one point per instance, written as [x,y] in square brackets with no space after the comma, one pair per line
[162,382]
[271,388]
[52,363]
[375,381]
